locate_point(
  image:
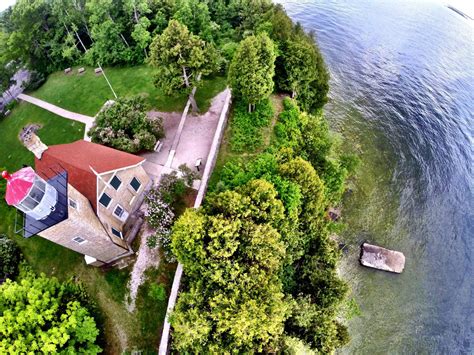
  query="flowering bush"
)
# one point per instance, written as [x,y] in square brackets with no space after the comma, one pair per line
[126,126]
[160,216]
[161,210]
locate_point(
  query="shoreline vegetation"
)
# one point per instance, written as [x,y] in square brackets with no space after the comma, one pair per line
[259,258]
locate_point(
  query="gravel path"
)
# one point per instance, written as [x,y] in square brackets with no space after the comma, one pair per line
[146,258]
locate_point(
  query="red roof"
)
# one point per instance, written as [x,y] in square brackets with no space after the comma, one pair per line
[79,158]
[18,185]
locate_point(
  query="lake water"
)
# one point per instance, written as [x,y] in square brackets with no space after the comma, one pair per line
[402,95]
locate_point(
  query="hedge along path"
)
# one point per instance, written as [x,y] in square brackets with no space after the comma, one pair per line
[87,120]
[210,162]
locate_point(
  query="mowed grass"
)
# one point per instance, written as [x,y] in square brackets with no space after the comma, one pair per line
[86,94]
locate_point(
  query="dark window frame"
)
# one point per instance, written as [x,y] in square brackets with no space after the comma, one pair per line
[72,203]
[118,234]
[110,199]
[139,184]
[119,182]
[82,240]
[122,210]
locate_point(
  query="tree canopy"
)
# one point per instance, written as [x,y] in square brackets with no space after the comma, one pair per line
[313,291]
[38,314]
[232,253]
[49,35]
[181,58]
[252,69]
[125,125]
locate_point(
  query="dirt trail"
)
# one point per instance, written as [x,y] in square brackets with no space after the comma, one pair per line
[146,258]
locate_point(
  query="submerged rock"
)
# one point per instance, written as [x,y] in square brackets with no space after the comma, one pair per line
[380,258]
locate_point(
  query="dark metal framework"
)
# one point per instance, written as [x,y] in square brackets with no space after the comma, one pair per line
[28,226]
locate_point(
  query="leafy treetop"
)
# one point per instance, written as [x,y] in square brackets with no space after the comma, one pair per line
[252,69]
[181,58]
[38,314]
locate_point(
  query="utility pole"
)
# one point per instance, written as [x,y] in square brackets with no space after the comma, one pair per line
[85,50]
[108,82]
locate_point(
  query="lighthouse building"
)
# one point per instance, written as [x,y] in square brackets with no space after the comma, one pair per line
[81,195]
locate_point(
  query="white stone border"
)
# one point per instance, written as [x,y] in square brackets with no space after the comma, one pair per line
[211,159]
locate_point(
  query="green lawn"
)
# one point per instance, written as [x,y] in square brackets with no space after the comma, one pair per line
[86,94]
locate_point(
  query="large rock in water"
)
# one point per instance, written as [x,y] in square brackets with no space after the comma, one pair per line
[381,258]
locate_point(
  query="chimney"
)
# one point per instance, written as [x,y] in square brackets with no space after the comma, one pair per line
[32,142]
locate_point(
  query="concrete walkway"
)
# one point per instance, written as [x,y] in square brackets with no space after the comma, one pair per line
[188,138]
[218,113]
[87,120]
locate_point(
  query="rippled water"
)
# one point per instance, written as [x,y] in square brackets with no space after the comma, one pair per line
[402,94]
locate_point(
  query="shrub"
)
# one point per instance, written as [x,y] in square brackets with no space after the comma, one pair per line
[160,216]
[157,292]
[246,127]
[11,105]
[35,81]
[163,204]
[288,130]
[10,257]
[40,315]
[126,126]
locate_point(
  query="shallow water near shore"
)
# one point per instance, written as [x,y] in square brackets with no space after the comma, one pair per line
[402,94]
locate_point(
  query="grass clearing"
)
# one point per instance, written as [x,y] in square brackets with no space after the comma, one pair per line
[149,322]
[86,93]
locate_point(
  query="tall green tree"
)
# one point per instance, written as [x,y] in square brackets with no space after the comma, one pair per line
[38,315]
[232,253]
[252,69]
[247,15]
[181,59]
[313,94]
[72,16]
[110,46]
[194,14]
[300,64]
[31,35]
[138,9]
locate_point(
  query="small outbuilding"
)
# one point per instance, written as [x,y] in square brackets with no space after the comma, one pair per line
[382,259]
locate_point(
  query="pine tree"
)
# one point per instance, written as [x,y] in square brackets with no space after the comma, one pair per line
[252,69]
[181,59]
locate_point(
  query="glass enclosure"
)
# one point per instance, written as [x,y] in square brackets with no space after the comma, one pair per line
[40,201]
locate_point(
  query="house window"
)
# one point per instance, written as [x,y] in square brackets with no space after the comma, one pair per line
[135,184]
[116,232]
[120,213]
[115,182]
[79,240]
[73,204]
[105,200]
